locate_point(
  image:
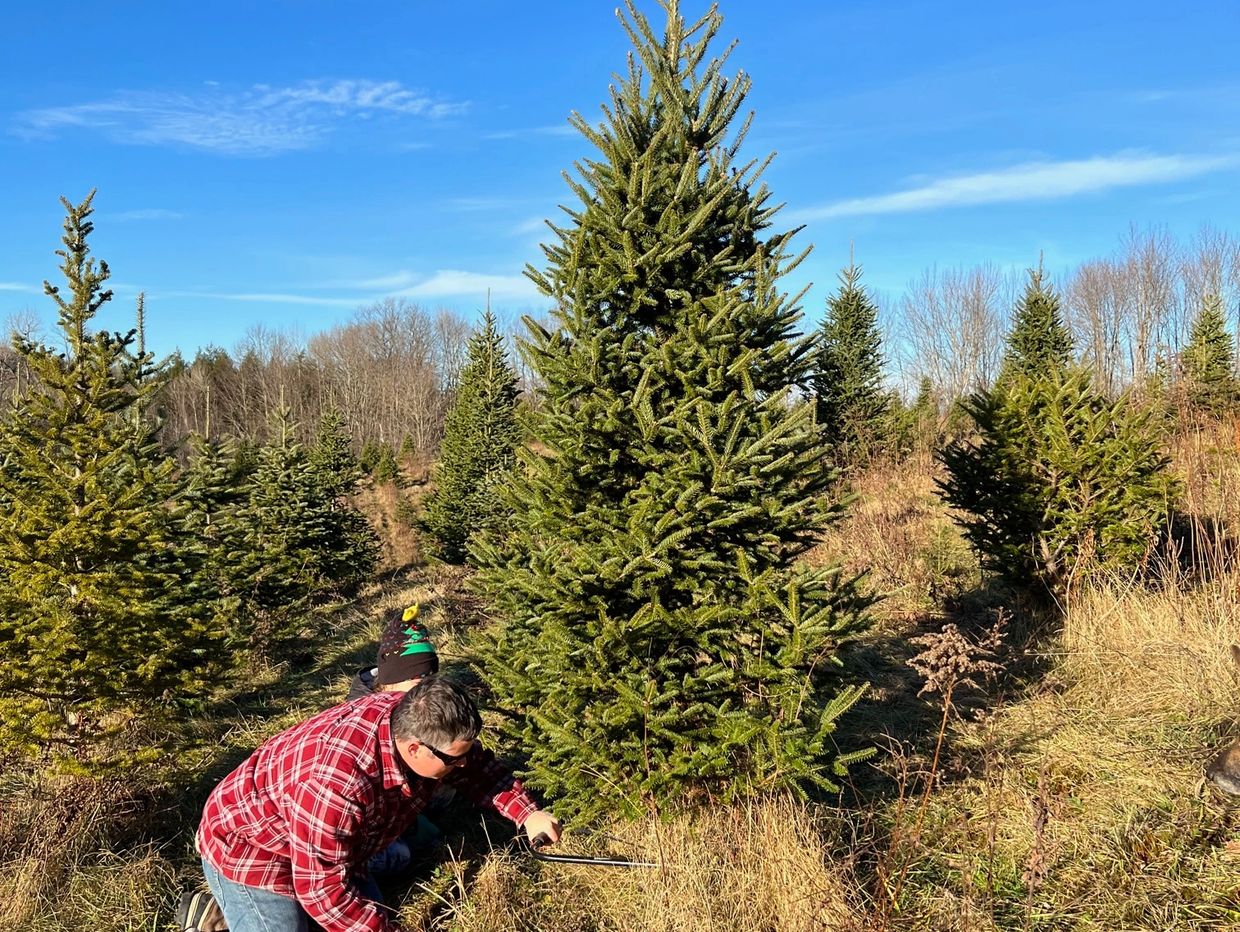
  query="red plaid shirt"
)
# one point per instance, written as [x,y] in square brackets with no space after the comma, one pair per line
[305,813]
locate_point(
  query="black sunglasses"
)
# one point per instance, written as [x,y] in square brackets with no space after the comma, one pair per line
[448,760]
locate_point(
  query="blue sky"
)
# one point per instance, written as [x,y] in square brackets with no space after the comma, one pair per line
[280,163]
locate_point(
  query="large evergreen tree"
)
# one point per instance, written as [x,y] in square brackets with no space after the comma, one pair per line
[852,407]
[1039,343]
[102,625]
[655,633]
[1208,362]
[479,447]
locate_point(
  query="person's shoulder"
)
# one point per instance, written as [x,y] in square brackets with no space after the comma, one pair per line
[345,737]
[363,683]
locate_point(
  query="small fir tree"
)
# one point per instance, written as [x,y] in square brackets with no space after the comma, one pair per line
[1208,362]
[852,408]
[215,487]
[1059,482]
[332,455]
[298,543]
[385,467]
[102,624]
[658,634]
[408,450]
[1039,343]
[478,451]
[372,450]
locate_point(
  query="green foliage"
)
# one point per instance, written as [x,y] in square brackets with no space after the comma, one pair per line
[408,449]
[216,483]
[923,422]
[478,451]
[1060,480]
[852,407]
[332,455]
[103,623]
[300,541]
[379,462]
[658,637]
[1208,362]
[371,451]
[1039,342]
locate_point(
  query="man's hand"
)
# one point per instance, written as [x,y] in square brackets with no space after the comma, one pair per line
[542,823]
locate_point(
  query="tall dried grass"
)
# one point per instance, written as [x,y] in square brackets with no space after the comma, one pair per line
[765,866]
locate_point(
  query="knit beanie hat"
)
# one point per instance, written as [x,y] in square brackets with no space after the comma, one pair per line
[405,649]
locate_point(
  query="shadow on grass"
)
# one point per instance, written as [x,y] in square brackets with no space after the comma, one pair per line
[896,720]
[1198,547]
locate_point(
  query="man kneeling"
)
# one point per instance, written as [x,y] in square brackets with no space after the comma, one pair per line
[288,835]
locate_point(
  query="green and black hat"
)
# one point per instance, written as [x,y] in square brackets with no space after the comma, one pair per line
[405,649]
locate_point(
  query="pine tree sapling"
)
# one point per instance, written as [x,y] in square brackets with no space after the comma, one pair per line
[215,487]
[1039,342]
[1060,481]
[332,455]
[657,635]
[1208,362]
[852,407]
[478,451]
[300,540]
[385,468]
[102,623]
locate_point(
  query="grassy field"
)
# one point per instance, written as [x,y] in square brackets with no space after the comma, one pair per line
[1061,789]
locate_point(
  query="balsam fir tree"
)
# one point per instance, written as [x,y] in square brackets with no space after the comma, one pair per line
[1059,482]
[385,468]
[215,487]
[852,407]
[1208,363]
[332,455]
[1039,343]
[298,543]
[479,447]
[102,624]
[655,632]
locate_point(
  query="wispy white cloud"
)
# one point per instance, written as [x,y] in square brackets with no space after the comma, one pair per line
[485,203]
[451,283]
[261,120]
[445,283]
[559,129]
[536,224]
[264,298]
[381,282]
[18,286]
[147,213]
[1031,181]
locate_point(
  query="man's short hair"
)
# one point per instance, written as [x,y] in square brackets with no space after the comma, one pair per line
[437,712]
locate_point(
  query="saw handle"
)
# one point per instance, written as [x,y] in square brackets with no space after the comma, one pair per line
[541,840]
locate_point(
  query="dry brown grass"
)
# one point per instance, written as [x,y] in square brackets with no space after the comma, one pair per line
[389,507]
[900,533]
[1076,804]
[56,869]
[766,866]
[1083,806]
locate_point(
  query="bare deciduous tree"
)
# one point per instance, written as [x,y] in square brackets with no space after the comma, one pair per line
[953,323]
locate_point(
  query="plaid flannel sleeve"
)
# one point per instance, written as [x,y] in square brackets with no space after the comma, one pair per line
[487,782]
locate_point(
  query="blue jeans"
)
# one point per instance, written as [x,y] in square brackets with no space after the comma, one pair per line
[249,909]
